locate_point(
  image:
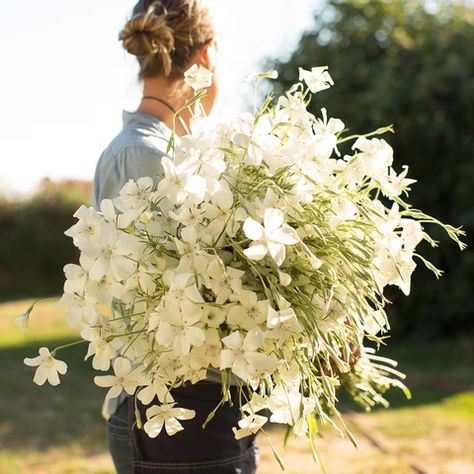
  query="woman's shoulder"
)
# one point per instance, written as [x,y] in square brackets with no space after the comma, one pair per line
[136,138]
[126,145]
[129,160]
[135,152]
[142,138]
[120,163]
[144,131]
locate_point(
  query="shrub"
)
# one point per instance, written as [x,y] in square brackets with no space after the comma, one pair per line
[34,248]
[399,62]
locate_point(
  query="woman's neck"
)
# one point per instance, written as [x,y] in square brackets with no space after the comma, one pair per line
[174,95]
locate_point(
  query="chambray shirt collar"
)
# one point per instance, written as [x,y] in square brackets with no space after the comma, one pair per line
[136,120]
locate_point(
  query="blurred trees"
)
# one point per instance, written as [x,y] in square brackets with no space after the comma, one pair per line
[409,63]
[33,246]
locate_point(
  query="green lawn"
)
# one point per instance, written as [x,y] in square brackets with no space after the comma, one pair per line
[59,430]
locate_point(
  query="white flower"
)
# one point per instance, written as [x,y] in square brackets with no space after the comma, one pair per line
[257,139]
[190,271]
[77,275]
[223,281]
[375,321]
[193,258]
[180,326]
[198,77]
[393,185]
[156,389]
[166,415]
[121,219]
[218,211]
[249,313]
[48,367]
[270,238]
[272,74]
[375,154]
[113,252]
[405,268]
[331,313]
[104,289]
[317,79]
[284,278]
[343,210]
[103,351]
[291,108]
[326,135]
[87,228]
[237,350]
[285,318]
[256,403]
[124,379]
[260,365]
[142,280]
[135,195]
[82,307]
[180,336]
[249,425]
[22,320]
[188,215]
[290,408]
[181,181]
[213,316]
[412,234]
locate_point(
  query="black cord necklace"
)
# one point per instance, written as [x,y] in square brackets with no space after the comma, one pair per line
[160,100]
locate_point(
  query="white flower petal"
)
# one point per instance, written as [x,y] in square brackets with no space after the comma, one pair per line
[108,210]
[196,185]
[195,336]
[253,340]
[252,229]
[233,340]
[32,361]
[41,375]
[173,426]
[227,358]
[256,251]
[60,366]
[277,252]
[273,219]
[182,413]
[53,378]
[198,77]
[153,427]
[105,380]
[285,235]
[122,366]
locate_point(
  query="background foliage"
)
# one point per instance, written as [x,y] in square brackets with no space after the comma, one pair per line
[34,248]
[401,62]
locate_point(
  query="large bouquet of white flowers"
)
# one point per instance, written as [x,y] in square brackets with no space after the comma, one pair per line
[260,252]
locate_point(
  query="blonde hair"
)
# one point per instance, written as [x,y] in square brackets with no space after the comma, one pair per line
[165,34]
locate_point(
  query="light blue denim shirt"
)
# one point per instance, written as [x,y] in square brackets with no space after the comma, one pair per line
[135,152]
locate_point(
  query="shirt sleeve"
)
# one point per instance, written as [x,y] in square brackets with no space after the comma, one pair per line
[131,162]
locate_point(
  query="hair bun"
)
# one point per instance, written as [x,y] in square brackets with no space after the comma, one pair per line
[148,34]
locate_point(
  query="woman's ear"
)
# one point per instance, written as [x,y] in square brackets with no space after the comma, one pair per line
[208,55]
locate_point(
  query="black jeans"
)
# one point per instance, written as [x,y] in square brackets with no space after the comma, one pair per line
[212,450]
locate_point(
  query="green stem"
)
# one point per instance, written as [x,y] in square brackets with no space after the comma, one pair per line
[75,343]
[379,131]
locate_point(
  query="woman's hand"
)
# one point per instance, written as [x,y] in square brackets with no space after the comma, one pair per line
[332,369]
